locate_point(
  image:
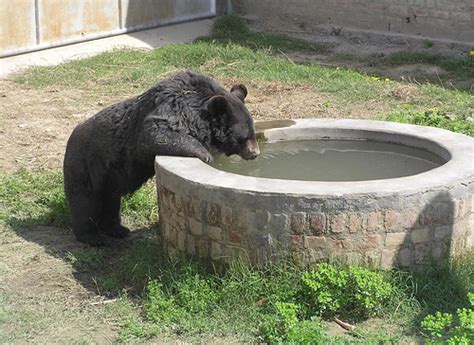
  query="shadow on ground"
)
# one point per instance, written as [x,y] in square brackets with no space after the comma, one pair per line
[91,267]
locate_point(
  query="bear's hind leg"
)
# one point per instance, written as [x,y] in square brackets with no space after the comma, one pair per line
[85,211]
[110,220]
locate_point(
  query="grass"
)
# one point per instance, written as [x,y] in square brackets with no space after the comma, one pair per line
[232,30]
[160,297]
[177,297]
[28,198]
[461,67]
[226,54]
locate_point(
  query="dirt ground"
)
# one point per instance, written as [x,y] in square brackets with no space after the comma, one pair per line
[42,296]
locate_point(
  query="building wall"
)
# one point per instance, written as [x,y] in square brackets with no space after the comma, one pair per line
[27,25]
[434,19]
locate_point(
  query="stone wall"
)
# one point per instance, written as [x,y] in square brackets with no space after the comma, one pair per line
[415,231]
[433,19]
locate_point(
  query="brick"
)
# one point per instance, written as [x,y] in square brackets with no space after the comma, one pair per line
[216,250]
[375,221]
[279,223]
[202,247]
[195,227]
[314,242]
[179,205]
[422,253]
[298,258]
[442,231]
[213,214]
[459,228]
[238,253]
[409,218]
[356,222]
[317,223]
[341,244]
[165,230]
[193,208]
[181,240]
[470,237]
[167,197]
[440,251]
[388,258]
[295,242]
[443,213]
[177,222]
[395,240]
[405,257]
[313,256]
[427,216]
[396,221]
[190,245]
[234,237]
[338,223]
[351,258]
[392,221]
[234,218]
[260,219]
[420,235]
[460,209]
[372,259]
[298,223]
[371,242]
[215,233]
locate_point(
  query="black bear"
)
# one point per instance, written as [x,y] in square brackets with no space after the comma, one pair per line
[112,153]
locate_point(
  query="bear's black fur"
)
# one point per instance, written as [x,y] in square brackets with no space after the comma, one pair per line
[112,153]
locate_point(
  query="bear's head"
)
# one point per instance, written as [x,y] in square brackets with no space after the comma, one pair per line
[232,126]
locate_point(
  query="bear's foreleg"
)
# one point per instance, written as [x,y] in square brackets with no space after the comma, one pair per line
[110,220]
[85,212]
[169,143]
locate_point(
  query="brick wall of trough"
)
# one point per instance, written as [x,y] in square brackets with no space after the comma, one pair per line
[408,231]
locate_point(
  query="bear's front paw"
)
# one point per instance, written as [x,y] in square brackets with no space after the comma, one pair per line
[92,239]
[208,159]
[205,156]
[118,231]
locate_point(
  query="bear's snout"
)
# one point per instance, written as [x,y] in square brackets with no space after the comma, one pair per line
[251,150]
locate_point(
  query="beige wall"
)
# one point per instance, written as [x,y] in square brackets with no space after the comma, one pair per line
[35,24]
[436,19]
[17,24]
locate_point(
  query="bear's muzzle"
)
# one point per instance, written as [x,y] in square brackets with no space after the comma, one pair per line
[251,150]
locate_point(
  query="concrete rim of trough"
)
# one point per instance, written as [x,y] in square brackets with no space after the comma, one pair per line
[456,148]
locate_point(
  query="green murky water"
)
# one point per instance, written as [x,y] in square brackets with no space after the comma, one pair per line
[332,160]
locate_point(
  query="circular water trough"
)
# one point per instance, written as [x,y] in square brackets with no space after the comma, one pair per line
[407,222]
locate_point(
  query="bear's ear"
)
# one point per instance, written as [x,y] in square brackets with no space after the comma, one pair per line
[217,105]
[240,91]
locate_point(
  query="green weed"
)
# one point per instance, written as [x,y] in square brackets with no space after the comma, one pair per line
[435,118]
[354,292]
[446,328]
[86,259]
[461,67]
